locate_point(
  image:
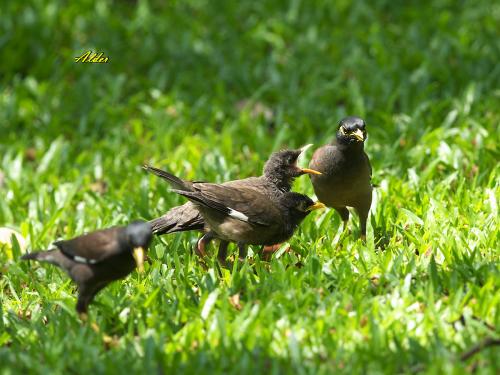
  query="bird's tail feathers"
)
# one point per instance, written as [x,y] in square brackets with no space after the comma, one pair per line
[41,256]
[191,195]
[175,181]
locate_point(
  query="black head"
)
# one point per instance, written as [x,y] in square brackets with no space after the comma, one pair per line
[352,130]
[281,168]
[299,205]
[138,235]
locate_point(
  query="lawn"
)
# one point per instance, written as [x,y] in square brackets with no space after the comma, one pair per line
[208,90]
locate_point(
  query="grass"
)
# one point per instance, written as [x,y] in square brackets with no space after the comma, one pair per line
[208,90]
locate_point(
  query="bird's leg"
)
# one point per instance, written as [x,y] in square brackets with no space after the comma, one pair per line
[344,215]
[84,299]
[203,243]
[81,305]
[363,217]
[242,251]
[222,255]
[84,317]
[86,294]
[271,248]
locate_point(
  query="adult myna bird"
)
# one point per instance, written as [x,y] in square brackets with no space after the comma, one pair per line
[280,171]
[242,213]
[95,259]
[345,172]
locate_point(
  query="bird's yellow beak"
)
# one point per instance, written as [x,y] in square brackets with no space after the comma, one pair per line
[139,258]
[310,171]
[315,206]
[358,134]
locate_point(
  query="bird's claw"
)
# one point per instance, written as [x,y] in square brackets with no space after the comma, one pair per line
[83,317]
[200,249]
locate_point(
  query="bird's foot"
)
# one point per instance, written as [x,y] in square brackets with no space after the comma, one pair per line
[110,341]
[200,248]
[268,251]
[203,243]
[95,327]
[84,317]
[222,260]
[363,237]
[271,248]
[227,264]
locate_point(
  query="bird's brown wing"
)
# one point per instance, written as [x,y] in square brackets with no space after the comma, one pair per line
[93,247]
[255,183]
[241,203]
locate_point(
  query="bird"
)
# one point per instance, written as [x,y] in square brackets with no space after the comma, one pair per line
[241,213]
[345,179]
[96,259]
[278,175]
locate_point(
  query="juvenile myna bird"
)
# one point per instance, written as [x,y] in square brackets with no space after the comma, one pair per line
[95,259]
[345,172]
[242,213]
[280,171]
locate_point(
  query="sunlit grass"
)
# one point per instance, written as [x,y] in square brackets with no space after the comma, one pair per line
[209,98]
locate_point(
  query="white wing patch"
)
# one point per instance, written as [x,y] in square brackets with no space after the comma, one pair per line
[238,215]
[79,259]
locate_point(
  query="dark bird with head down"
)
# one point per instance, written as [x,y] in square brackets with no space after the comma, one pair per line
[94,260]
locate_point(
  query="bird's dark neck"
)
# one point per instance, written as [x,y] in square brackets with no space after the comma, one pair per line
[347,146]
[124,243]
[281,183]
[292,223]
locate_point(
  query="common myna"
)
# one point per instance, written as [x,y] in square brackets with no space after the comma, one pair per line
[95,259]
[345,172]
[242,213]
[278,175]
[279,172]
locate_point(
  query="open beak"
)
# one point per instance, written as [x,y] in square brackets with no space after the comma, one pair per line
[310,171]
[304,148]
[315,206]
[358,134]
[139,258]
[307,170]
